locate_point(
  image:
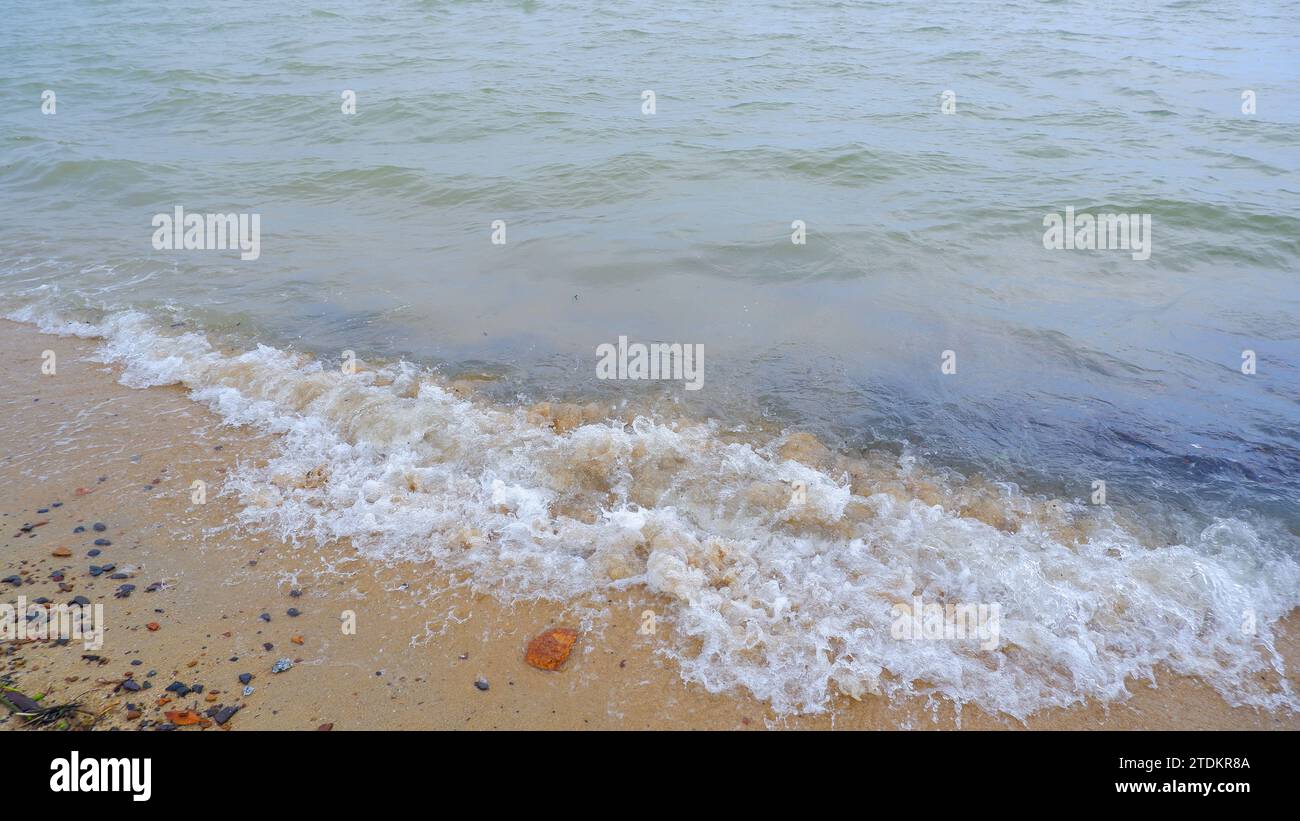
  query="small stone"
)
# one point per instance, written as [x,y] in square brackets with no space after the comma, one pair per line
[325,728]
[102,543]
[99,527]
[549,650]
[281,665]
[244,678]
[61,552]
[265,617]
[293,611]
[248,690]
[482,684]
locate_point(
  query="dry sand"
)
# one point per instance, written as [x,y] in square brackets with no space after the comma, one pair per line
[421,640]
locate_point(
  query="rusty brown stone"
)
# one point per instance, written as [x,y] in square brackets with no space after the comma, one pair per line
[549,650]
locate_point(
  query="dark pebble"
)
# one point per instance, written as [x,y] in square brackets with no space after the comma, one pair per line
[482,684]
[95,570]
[103,542]
[81,600]
[293,611]
[244,678]
[268,646]
[100,527]
[131,686]
[265,617]
[179,689]
[225,714]
[43,510]
[78,529]
[93,552]
[136,662]
[14,580]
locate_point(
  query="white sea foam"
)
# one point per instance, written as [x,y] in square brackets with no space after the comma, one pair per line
[790,601]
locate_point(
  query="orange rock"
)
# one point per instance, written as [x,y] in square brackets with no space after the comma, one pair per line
[61,552]
[297,639]
[550,649]
[153,625]
[82,491]
[183,718]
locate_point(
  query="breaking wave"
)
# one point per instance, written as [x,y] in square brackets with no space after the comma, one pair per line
[783,560]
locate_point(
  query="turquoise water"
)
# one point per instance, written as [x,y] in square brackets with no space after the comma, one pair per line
[924,228]
[924,235]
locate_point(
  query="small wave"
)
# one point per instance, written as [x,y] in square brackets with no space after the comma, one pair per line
[787,595]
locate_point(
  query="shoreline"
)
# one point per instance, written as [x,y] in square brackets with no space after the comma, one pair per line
[422,640]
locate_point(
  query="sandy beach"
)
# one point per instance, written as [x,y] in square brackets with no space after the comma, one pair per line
[220,595]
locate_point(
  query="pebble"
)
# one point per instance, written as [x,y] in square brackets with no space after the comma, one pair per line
[81,600]
[281,665]
[14,580]
[179,689]
[100,527]
[248,689]
[293,611]
[78,529]
[92,553]
[265,617]
[225,714]
[102,542]
[95,570]
[131,686]
[482,684]
[244,678]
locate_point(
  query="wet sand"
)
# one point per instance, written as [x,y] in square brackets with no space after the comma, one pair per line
[422,639]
